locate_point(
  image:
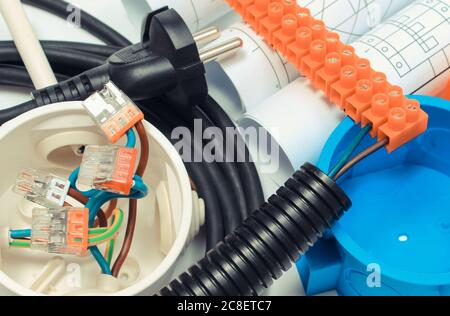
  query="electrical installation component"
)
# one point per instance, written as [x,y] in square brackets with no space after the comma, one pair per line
[269,17]
[66,231]
[145,70]
[42,188]
[172,107]
[240,91]
[108,168]
[397,248]
[272,238]
[113,111]
[22,266]
[104,168]
[63,230]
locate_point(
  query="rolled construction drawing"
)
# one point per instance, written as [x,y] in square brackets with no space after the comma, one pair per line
[257,71]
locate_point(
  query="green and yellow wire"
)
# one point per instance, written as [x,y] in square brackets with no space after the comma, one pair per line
[97,236]
[20,243]
[110,233]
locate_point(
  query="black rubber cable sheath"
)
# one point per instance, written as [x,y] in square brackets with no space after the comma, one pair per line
[27,106]
[213,218]
[74,59]
[230,169]
[13,75]
[219,179]
[101,50]
[247,169]
[88,22]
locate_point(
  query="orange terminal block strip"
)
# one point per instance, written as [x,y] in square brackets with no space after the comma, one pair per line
[347,80]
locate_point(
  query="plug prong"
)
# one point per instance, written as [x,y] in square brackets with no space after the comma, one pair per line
[221,51]
[206,36]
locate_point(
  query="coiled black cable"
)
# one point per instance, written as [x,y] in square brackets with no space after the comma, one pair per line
[229,168]
[197,171]
[219,178]
[71,59]
[226,191]
[246,167]
[96,49]
[269,241]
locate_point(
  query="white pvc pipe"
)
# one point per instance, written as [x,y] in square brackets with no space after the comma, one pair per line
[27,44]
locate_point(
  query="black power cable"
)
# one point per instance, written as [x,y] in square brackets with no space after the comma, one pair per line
[57,56]
[222,185]
[246,167]
[197,171]
[219,177]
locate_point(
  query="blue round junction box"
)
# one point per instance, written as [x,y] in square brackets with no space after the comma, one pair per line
[395,240]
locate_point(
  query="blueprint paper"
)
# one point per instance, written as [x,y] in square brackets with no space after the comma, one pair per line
[300,120]
[196,13]
[256,70]
[353,18]
[412,48]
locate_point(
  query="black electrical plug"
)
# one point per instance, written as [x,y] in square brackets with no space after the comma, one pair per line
[167,62]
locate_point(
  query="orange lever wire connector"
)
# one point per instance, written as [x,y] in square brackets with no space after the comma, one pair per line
[333,67]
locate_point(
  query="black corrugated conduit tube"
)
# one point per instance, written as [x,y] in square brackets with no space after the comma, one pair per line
[269,241]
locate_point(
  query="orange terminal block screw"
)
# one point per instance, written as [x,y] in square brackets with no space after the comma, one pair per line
[396,96]
[300,48]
[397,119]
[304,17]
[358,103]
[378,114]
[345,87]
[286,35]
[318,30]
[256,12]
[404,124]
[329,74]
[348,55]
[380,83]
[315,60]
[333,42]
[272,22]
[363,68]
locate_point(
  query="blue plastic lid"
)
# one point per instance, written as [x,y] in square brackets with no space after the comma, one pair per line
[400,217]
